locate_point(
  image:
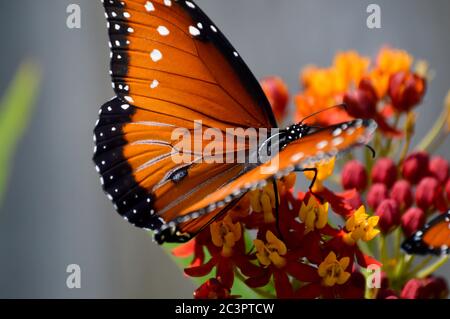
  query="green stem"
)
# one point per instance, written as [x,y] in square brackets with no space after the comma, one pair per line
[421,265]
[397,243]
[428,140]
[388,145]
[383,249]
[432,268]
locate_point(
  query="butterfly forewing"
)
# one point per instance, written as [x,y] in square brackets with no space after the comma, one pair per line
[170,67]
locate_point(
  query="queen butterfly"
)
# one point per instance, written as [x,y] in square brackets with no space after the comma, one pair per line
[171,66]
[433,238]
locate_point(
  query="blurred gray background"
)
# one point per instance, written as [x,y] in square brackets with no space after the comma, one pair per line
[55,213]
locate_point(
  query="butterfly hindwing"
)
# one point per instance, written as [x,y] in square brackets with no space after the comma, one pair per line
[433,238]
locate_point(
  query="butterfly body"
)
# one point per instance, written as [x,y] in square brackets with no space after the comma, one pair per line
[171,69]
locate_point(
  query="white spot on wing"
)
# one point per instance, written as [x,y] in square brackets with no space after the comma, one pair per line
[162,30]
[190,4]
[322,145]
[149,6]
[194,31]
[154,84]
[156,55]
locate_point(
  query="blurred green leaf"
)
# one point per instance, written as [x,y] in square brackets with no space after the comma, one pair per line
[15,112]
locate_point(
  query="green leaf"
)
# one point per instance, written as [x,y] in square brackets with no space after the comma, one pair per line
[15,113]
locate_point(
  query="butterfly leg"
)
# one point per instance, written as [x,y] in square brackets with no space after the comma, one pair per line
[277,206]
[315,171]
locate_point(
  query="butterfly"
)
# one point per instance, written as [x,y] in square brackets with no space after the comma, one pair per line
[172,67]
[433,238]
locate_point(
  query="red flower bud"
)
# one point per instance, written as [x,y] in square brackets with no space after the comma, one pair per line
[413,289]
[386,294]
[406,90]
[438,167]
[354,176]
[415,167]
[428,193]
[377,193]
[435,288]
[389,215]
[401,192]
[384,171]
[212,289]
[412,221]
[278,95]
[447,190]
[361,104]
[428,288]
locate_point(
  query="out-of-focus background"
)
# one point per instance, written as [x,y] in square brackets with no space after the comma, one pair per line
[54,212]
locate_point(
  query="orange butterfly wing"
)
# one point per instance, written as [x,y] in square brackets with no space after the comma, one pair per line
[434,238]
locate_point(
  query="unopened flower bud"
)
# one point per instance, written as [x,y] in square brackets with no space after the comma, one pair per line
[354,176]
[415,167]
[377,193]
[428,193]
[447,190]
[387,294]
[406,90]
[360,104]
[412,220]
[438,167]
[384,171]
[435,288]
[413,289]
[389,215]
[401,192]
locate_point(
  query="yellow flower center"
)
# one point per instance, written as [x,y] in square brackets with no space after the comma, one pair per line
[361,226]
[333,271]
[225,234]
[313,215]
[263,200]
[271,252]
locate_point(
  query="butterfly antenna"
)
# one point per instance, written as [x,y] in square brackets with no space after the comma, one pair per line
[343,105]
[268,141]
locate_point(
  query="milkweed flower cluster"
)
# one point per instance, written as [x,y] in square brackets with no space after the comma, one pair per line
[326,242]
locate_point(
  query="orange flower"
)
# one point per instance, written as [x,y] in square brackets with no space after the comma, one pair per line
[389,62]
[325,87]
[351,67]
